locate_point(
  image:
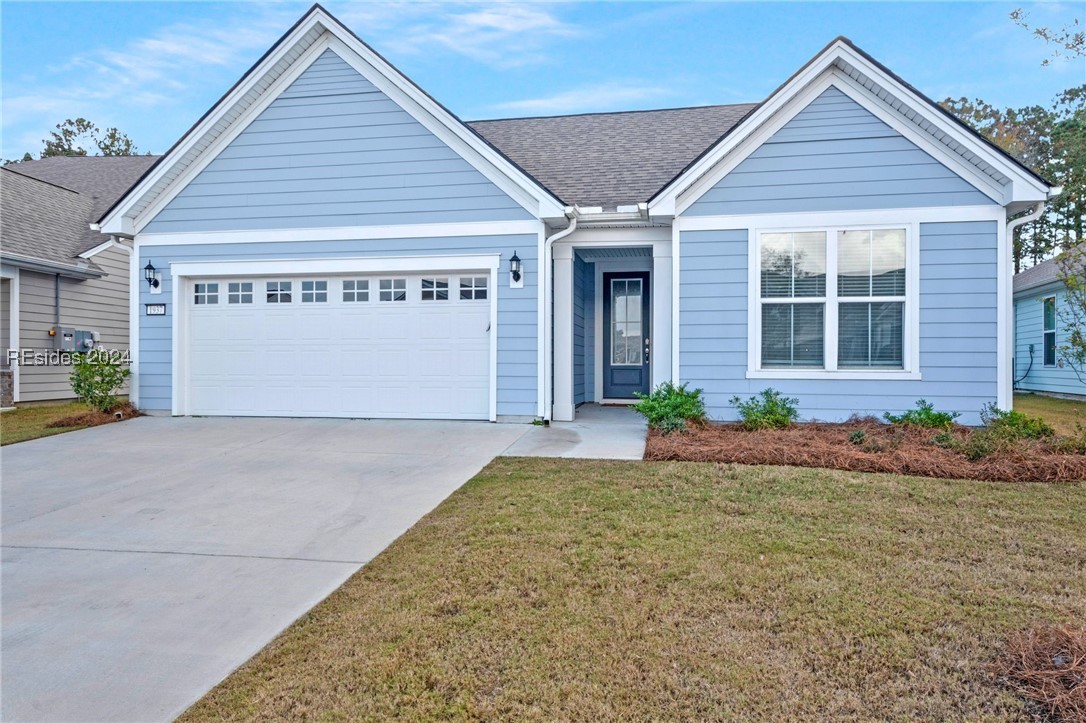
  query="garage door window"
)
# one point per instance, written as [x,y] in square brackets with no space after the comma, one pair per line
[314,292]
[278,292]
[435,289]
[393,290]
[356,290]
[206,294]
[473,287]
[239,292]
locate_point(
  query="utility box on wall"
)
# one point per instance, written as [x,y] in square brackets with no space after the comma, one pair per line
[68,339]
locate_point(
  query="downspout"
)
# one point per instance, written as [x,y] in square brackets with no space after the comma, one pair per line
[56,303]
[572,213]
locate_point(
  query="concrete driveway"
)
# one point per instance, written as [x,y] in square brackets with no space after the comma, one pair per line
[144,561]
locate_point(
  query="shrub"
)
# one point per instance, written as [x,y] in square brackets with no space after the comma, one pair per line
[767,410]
[1014,425]
[96,378]
[1075,443]
[924,415]
[944,439]
[671,408]
[857,436]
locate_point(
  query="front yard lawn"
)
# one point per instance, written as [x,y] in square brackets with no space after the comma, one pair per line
[552,589]
[1060,413]
[19,425]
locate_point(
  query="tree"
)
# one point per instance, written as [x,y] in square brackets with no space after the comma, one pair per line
[71,136]
[1070,40]
[1052,142]
[1072,312]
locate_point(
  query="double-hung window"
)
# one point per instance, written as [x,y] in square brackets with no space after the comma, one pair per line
[1049,331]
[833,300]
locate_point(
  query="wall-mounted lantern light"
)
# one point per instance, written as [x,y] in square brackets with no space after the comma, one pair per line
[151,274]
[515,268]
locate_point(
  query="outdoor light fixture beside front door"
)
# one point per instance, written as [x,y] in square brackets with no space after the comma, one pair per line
[154,278]
[516,277]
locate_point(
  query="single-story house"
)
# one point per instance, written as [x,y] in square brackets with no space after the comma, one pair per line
[1040,332]
[329,240]
[56,272]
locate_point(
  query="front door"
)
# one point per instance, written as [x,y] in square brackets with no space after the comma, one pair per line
[626,334]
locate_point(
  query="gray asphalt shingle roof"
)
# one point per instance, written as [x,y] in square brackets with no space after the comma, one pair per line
[610,159]
[48,204]
[1042,274]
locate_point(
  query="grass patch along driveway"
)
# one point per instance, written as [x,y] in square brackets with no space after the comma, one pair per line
[19,425]
[557,589]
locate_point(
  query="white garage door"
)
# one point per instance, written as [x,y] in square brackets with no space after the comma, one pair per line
[394,345]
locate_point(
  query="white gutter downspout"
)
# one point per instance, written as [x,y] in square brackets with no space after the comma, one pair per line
[572,213]
[1006,382]
[133,315]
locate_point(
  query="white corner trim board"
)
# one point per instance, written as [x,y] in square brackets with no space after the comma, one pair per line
[372,264]
[344,233]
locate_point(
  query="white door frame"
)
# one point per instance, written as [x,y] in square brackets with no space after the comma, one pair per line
[184,273]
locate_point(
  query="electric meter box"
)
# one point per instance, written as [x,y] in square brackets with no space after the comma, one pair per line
[68,339]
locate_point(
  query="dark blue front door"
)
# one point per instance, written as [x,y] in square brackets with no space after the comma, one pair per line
[626,334]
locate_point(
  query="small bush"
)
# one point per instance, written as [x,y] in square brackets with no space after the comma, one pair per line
[944,439]
[96,379]
[1075,443]
[924,415]
[1014,425]
[767,410]
[857,436]
[671,408]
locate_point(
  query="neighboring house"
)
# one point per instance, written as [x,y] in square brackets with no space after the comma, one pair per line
[56,272]
[1039,332]
[329,240]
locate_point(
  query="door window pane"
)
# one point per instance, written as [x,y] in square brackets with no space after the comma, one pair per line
[435,289]
[206,294]
[472,288]
[278,292]
[239,292]
[314,292]
[626,332]
[392,290]
[355,290]
[793,335]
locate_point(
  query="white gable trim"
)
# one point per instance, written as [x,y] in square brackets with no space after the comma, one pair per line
[797,104]
[125,219]
[804,87]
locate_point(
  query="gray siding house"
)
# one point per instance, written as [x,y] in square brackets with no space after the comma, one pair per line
[55,272]
[329,240]
[1040,332]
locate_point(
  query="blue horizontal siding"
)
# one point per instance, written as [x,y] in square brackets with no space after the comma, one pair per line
[1029,329]
[518,338]
[957,330]
[333,150]
[835,155]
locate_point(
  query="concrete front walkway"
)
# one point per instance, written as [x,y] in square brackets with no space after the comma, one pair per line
[597,433]
[144,561]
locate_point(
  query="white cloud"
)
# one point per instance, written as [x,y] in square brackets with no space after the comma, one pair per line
[499,34]
[589,98]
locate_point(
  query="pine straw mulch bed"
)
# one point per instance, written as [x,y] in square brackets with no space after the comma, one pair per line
[886,448]
[94,418]
[1046,665]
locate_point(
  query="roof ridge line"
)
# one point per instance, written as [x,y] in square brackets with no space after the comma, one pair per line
[611,112]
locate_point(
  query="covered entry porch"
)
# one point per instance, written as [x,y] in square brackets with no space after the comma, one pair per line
[612,316]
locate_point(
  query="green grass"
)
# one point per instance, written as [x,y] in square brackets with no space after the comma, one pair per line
[587,590]
[1060,413]
[26,423]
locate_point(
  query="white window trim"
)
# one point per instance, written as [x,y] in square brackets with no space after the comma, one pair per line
[911,340]
[1052,331]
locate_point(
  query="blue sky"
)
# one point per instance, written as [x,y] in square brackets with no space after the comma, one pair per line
[152,68]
